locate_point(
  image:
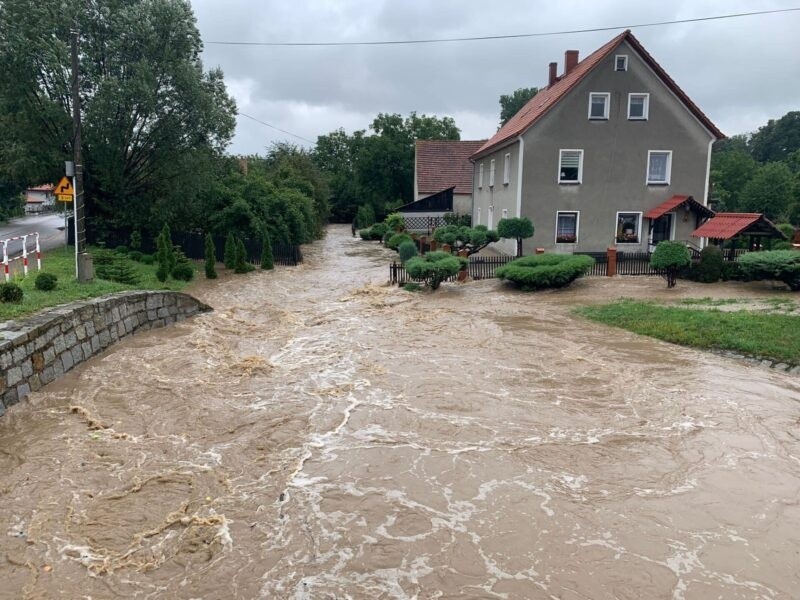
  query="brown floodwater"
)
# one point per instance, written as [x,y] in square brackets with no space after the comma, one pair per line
[323,436]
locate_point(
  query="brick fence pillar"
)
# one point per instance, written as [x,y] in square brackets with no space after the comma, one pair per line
[433,245]
[612,262]
[445,247]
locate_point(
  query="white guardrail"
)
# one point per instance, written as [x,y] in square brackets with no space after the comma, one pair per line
[24,257]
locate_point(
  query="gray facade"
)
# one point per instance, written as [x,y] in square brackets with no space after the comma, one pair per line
[614,170]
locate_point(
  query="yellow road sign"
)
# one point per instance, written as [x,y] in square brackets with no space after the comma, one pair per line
[64,191]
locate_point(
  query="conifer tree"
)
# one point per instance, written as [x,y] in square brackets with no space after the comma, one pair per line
[211,257]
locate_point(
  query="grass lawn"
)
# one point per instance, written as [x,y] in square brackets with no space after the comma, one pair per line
[759,334]
[61,263]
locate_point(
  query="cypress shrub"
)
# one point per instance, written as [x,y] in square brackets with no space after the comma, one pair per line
[183,271]
[230,251]
[542,271]
[709,269]
[267,261]
[241,265]
[165,255]
[211,257]
[10,292]
[397,239]
[45,282]
[407,250]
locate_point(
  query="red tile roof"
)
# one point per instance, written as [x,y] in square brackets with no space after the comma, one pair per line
[442,164]
[675,202]
[724,226]
[548,97]
[47,187]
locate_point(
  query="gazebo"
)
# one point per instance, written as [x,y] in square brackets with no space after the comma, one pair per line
[727,226]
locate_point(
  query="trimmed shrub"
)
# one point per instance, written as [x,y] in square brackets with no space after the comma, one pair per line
[731,271]
[387,236]
[45,282]
[434,267]
[377,231]
[267,260]
[147,259]
[211,257]
[471,239]
[709,269]
[407,249]
[241,265]
[516,229]
[365,234]
[542,271]
[395,221]
[183,271]
[10,292]
[121,250]
[780,265]
[670,257]
[135,255]
[397,239]
[230,251]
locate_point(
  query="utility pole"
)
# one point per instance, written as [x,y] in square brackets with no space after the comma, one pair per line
[83,262]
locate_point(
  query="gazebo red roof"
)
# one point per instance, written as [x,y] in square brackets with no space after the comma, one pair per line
[724,226]
[675,202]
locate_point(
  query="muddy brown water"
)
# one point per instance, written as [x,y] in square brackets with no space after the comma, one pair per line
[322,436]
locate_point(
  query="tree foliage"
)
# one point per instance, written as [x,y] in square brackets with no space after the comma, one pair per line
[780,265]
[516,228]
[511,104]
[770,191]
[776,140]
[471,239]
[669,256]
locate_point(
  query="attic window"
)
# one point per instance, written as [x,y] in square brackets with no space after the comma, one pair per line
[621,62]
[599,105]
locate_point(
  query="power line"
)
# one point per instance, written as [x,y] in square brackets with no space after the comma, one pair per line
[299,137]
[507,37]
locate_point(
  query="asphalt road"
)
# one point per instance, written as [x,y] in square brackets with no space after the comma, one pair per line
[50,228]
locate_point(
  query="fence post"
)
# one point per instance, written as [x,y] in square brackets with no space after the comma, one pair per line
[433,245]
[422,241]
[611,269]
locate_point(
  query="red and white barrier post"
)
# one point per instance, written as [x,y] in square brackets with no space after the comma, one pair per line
[5,260]
[25,255]
[38,253]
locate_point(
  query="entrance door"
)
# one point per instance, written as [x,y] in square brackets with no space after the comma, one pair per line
[662,228]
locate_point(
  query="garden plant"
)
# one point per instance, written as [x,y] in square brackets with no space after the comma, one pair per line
[434,267]
[670,257]
[780,265]
[542,271]
[516,229]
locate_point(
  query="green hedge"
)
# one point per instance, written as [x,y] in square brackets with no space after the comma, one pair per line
[397,239]
[545,270]
[434,267]
[781,265]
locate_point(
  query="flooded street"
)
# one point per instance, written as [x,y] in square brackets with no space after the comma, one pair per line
[322,436]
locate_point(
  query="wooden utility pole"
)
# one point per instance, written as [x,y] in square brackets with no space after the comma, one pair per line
[83,262]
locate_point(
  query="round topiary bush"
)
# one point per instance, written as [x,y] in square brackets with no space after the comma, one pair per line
[147,259]
[434,267]
[10,292]
[183,271]
[709,269]
[669,257]
[542,271]
[45,282]
[397,239]
[407,249]
[377,231]
[135,255]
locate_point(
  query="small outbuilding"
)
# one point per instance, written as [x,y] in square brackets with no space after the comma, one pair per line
[727,226]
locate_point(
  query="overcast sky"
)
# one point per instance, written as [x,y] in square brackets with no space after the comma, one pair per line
[741,72]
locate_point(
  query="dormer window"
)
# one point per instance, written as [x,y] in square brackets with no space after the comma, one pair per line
[599,106]
[621,62]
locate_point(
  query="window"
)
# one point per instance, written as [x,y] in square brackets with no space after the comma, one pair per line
[507,169]
[566,227]
[570,167]
[638,107]
[505,213]
[480,175]
[478,216]
[490,217]
[659,165]
[491,173]
[599,105]
[628,227]
[621,62]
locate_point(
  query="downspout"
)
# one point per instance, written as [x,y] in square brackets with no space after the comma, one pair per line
[704,241]
[519,176]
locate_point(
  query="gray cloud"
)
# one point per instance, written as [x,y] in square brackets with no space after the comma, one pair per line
[741,72]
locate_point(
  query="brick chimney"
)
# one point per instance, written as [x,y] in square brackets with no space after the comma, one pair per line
[553,75]
[570,60]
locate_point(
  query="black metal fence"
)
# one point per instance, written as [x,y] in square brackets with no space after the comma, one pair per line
[600,266]
[193,245]
[480,267]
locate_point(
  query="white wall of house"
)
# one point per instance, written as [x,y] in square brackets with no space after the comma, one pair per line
[500,198]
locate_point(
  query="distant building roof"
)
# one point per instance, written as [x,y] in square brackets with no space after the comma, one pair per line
[47,187]
[676,202]
[445,163]
[724,226]
[548,97]
[439,202]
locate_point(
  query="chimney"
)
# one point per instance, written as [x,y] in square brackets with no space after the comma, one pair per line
[553,74]
[570,60]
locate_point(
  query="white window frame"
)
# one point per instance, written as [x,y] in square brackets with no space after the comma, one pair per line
[478,216]
[624,57]
[491,173]
[577,214]
[638,226]
[646,114]
[580,167]
[507,169]
[480,176]
[669,167]
[489,217]
[607,108]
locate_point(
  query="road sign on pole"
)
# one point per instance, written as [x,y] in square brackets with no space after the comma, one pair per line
[64,190]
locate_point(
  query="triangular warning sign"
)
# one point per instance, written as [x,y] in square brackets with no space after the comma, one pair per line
[64,191]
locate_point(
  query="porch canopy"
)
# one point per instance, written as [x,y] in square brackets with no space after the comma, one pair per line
[676,202]
[726,226]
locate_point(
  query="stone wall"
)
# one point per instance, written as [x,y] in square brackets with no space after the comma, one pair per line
[40,349]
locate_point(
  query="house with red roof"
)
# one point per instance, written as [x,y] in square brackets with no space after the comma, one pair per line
[442,182]
[40,198]
[610,153]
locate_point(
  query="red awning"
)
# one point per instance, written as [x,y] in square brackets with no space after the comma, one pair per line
[724,226]
[675,202]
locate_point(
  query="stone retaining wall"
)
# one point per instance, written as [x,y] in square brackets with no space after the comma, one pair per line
[40,349]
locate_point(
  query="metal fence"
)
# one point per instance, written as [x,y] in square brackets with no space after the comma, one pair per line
[427,224]
[480,267]
[600,266]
